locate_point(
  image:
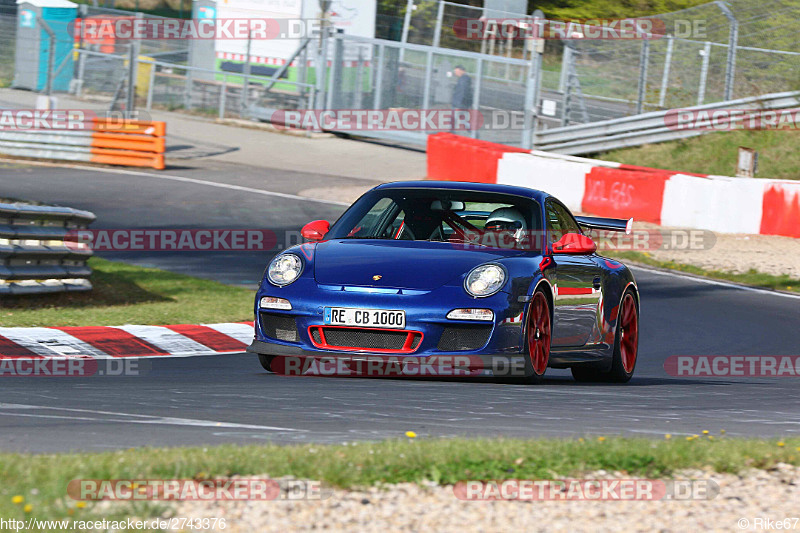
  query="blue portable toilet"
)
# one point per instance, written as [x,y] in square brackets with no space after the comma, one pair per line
[33,43]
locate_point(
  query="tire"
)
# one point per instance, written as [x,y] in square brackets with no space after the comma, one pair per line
[626,347]
[266,361]
[538,336]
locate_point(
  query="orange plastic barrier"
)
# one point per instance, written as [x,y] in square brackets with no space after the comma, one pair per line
[781,211]
[139,143]
[143,127]
[135,143]
[611,192]
[458,158]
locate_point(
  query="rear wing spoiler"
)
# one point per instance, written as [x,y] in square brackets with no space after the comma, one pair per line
[609,224]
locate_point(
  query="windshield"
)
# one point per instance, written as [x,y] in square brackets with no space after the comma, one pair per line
[442,215]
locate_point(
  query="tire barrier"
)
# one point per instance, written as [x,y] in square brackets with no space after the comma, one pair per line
[34,257]
[718,203]
[132,143]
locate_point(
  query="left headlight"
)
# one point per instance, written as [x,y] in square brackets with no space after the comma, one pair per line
[485,280]
[284,269]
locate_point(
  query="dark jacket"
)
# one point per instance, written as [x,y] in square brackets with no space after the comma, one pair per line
[462,93]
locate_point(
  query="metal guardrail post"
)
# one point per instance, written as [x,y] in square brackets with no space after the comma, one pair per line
[733,38]
[51,55]
[150,85]
[644,59]
[243,101]
[81,72]
[533,85]
[662,97]
[437,30]
[701,90]
[476,97]
[406,26]
[130,95]
[222,95]
[359,84]
[566,58]
[426,87]
[320,67]
[334,74]
[379,76]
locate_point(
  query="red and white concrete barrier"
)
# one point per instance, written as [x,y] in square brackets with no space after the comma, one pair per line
[672,198]
[102,342]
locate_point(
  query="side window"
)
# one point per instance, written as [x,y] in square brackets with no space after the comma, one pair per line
[568,223]
[368,225]
[554,222]
[397,228]
[559,221]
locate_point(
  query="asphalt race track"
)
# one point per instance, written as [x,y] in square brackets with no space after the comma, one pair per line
[214,400]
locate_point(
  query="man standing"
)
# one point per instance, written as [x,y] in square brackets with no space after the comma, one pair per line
[462,93]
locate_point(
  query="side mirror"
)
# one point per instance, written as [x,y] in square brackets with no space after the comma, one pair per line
[574,243]
[316,230]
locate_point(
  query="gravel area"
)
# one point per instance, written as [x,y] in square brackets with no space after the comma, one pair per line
[753,494]
[738,253]
[730,252]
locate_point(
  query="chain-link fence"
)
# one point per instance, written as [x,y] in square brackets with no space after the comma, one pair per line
[8,43]
[705,54]
[690,61]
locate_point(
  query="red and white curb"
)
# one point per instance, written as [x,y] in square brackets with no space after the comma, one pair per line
[103,342]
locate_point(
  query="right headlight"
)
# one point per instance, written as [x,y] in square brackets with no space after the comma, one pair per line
[284,269]
[485,280]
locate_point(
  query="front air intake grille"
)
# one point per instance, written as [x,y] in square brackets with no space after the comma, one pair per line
[280,327]
[345,338]
[462,338]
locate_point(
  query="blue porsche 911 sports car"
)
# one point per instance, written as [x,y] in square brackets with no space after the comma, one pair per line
[496,278]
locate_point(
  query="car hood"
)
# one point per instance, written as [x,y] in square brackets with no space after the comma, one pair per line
[418,265]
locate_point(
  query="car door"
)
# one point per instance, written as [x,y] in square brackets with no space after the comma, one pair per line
[576,284]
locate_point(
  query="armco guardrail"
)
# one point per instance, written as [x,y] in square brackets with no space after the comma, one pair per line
[133,143]
[34,255]
[646,128]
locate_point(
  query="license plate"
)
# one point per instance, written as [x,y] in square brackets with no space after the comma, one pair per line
[364,318]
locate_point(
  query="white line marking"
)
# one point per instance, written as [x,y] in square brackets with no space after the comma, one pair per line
[191,180]
[136,419]
[715,282]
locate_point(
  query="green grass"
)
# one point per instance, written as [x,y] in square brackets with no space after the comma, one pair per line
[443,461]
[127,294]
[752,277]
[716,153]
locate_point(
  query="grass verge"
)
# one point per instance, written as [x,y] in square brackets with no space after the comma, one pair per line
[128,294]
[752,277]
[443,461]
[716,153]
